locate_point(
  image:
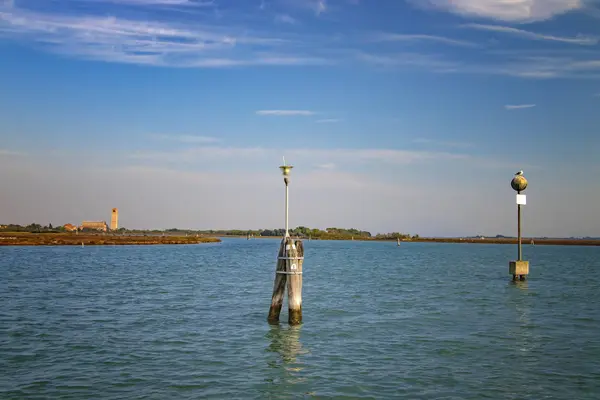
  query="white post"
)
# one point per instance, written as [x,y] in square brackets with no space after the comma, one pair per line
[287,209]
[285,169]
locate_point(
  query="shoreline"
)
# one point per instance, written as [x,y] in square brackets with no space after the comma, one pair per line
[513,241]
[99,239]
[70,239]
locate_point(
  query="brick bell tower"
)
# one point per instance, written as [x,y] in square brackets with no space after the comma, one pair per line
[114,219]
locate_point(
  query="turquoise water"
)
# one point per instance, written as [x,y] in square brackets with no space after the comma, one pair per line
[419,321]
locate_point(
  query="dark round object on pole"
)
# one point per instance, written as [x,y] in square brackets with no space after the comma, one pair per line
[519,183]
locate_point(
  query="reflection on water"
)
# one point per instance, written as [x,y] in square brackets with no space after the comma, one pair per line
[523,285]
[285,342]
[523,331]
[284,370]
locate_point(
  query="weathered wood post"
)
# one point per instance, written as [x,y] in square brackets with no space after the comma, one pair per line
[519,269]
[278,286]
[289,268]
[294,272]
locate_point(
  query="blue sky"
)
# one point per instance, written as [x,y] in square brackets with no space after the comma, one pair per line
[398,115]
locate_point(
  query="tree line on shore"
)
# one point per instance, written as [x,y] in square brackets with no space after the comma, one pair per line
[301,232]
[313,233]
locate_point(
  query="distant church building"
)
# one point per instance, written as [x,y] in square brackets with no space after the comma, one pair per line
[94,225]
[114,219]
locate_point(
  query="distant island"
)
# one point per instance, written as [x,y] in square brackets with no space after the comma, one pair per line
[95,239]
[35,234]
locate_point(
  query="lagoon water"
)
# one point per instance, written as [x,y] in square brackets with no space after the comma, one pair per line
[419,321]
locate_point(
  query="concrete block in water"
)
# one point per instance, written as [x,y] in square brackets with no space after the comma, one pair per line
[518,268]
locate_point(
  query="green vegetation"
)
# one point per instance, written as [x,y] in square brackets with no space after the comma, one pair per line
[301,232]
[304,232]
[33,228]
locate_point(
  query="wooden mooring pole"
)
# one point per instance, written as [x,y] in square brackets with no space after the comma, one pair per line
[294,263]
[279,285]
[289,269]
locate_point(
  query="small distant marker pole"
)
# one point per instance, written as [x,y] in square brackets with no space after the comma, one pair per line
[519,269]
[289,268]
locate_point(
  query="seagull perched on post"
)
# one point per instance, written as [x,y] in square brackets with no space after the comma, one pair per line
[519,173]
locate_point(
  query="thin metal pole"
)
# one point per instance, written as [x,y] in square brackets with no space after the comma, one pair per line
[519,227]
[287,234]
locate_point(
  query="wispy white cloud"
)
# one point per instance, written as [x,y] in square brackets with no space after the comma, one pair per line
[320,6]
[286,113]
[522,64]
[186,3]
[314,156]
[151,42]
[580,39]
[442,143]
[543,67]
[399,37]
[326,166]
[202,154]
[316,6]
[328,121]
[10,153]
[158,40]
[188,139]
[285,19]
[518,106]
[392,156]
[433,62]
[505,10]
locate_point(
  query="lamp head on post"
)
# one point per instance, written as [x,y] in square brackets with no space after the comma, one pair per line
[285,170]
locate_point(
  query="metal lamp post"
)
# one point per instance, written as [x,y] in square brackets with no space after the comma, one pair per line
[286,169]
[519,268]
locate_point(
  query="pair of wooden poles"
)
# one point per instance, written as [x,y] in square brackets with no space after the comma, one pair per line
[289,271]
[289,268]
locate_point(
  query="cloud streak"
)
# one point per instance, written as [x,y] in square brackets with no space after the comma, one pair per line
[185,3]
[442,143]
[505,10]
[519,106]
[433,62]
[316,6]
[161,40]
[10,153]
[285,19]
[150,42]
[192,139]
[314,156]
[580,40]
[420,38]
[328,166]
[286,113]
